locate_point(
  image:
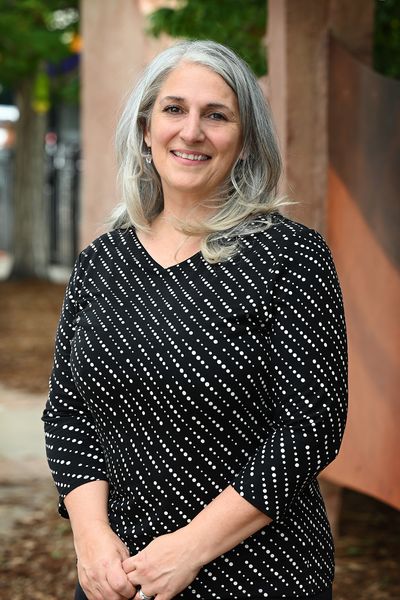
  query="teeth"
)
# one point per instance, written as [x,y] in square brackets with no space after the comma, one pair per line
[191,156]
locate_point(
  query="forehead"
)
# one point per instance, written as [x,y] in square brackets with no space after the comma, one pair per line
[190,80]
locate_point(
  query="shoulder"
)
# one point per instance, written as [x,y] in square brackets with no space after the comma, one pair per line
[105,246]
[99,255]
[293,242]
[287,233]
[290,249]
[117,238]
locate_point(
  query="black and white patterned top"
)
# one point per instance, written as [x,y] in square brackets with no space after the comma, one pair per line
[172,383]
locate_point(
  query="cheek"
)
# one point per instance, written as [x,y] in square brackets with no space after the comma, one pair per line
[228,145]
[160,145]
[162,133]
[229,154]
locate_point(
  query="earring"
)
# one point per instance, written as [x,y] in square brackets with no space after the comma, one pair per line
[148,157]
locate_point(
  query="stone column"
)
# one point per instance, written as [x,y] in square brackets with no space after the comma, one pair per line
[115,50]
[298,33]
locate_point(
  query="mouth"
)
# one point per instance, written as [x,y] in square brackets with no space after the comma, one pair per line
[196,156]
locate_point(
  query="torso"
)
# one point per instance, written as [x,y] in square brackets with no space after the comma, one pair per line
[172,361]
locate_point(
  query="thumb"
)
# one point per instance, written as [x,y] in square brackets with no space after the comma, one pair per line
[128,564]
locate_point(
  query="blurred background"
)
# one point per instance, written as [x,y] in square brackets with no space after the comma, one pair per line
[331,71]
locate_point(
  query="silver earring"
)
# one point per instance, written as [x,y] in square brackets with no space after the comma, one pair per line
[148,157]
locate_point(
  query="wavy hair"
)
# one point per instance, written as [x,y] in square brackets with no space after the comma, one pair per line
[251,187]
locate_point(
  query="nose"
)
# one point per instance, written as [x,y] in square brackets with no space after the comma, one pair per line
[192,130]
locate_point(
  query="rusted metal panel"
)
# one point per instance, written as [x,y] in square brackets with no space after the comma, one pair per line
[363,232]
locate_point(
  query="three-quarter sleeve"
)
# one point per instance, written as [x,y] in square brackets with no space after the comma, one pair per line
[307,378]
[73,450]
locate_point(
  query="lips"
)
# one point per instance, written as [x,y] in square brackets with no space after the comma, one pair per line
[196,156]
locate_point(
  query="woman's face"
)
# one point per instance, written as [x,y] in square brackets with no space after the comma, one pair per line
[194,133]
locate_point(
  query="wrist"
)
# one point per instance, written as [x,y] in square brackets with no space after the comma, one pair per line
[89,528]
[198,544]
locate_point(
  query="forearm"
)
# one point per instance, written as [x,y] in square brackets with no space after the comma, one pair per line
[100,553]
[223,524]
[87,505]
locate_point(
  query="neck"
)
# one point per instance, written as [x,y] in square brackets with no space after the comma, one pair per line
[165,242]
[185,208]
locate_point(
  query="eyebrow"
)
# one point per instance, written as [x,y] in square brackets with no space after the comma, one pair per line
[218,105]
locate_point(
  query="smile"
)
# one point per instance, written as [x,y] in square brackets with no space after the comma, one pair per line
[198,157]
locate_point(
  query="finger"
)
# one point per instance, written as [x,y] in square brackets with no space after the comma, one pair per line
[92,593]
[101,590]
[107,593]
[148,593]
[91,584]
[90,589]
[119,582]
[138,597]
[128,564]
[133,579]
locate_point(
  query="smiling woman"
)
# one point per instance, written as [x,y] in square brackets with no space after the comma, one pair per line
[208,92]
[194,135]
[200,375]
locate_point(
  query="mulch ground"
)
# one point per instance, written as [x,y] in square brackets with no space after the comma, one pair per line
[29,312]
[37,559]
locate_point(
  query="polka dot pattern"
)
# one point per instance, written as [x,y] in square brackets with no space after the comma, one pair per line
[173,383]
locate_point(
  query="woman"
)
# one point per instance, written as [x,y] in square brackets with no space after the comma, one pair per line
[200,375]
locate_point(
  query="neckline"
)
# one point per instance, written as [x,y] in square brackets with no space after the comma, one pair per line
[151,258]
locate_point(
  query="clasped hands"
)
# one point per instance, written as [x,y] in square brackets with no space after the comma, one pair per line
[164,568]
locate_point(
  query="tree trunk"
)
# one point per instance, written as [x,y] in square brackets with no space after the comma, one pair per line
[31,215]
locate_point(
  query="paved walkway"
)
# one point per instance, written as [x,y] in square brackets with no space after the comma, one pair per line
[5,265]
[25,482]
[56,273]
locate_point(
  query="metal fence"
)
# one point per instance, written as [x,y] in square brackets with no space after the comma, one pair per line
[62,190]
[6,177]
[62,168]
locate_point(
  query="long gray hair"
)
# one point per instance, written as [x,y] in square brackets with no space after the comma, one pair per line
[251,188]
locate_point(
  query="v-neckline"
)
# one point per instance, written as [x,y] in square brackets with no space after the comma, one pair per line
[155,262]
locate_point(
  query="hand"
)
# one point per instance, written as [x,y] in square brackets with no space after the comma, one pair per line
[165,567]
[100,554]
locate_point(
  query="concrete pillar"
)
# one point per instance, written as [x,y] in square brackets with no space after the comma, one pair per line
[115,50]
[298,38]
[298,34]
[352,23]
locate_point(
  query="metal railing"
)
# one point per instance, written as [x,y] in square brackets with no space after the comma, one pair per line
[61,190]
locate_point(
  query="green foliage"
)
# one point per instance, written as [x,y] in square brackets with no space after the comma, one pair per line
[33,32]
[69,91]
[387,38]
[241,25]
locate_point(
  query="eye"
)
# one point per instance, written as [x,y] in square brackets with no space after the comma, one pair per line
[173,109]
[216,116]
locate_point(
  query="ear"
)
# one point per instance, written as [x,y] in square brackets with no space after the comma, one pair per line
[147,136]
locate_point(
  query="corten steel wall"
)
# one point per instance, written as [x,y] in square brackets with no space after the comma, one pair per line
[363,232]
